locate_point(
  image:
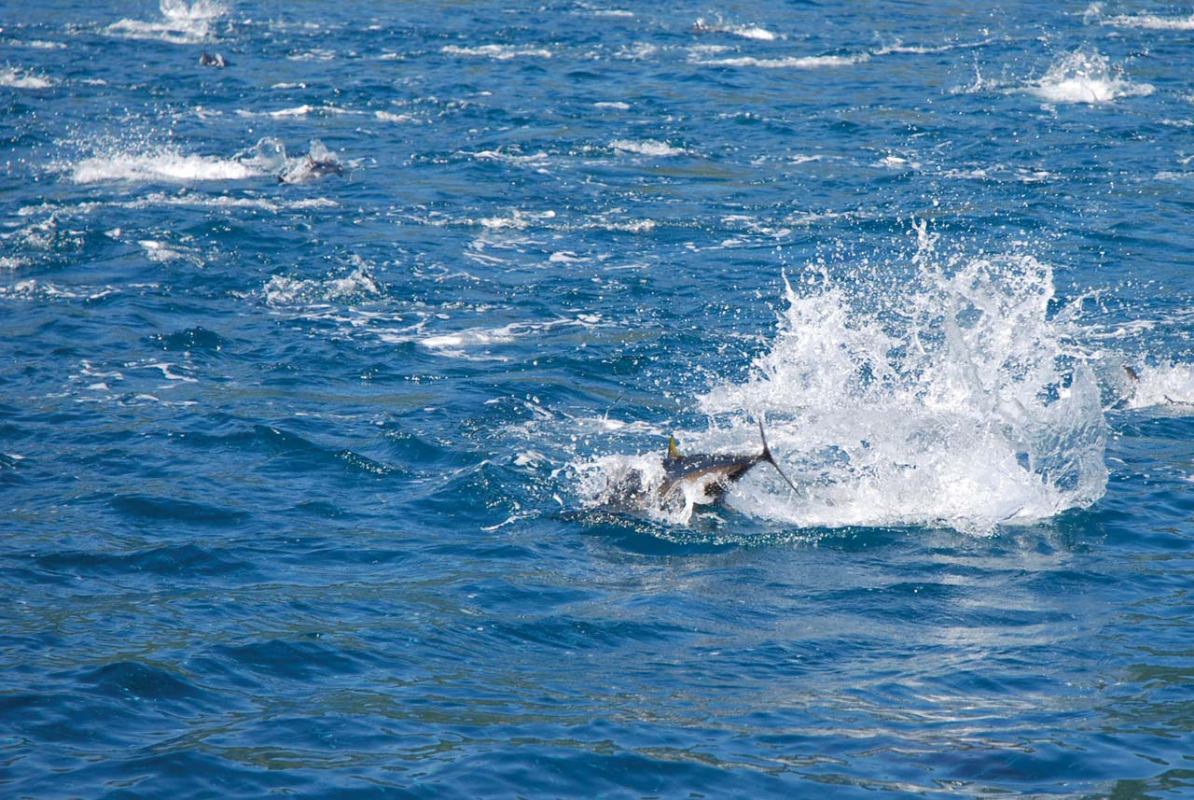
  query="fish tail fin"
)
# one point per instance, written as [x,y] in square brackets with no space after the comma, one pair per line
[770,459]
[766,455]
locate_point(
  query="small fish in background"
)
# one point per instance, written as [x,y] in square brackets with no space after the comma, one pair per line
[704,475]
[319,162]
[215,60]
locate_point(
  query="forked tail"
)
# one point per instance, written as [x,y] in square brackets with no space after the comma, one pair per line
[770,459]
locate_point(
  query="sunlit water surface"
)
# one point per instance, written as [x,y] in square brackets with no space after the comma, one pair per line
[318,373]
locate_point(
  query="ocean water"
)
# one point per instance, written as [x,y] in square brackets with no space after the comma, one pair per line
[319,372]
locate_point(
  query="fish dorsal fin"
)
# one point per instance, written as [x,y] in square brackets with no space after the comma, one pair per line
[673,449]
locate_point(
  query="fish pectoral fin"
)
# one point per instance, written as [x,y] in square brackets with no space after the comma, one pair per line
[673,448]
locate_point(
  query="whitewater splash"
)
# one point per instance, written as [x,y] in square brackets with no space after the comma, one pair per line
[166,164]
[143,162]
[180,24]
[718,25]
[957,401]
[18,79]
[1085,77]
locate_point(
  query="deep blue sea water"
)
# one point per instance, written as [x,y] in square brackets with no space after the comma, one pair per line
[316,372]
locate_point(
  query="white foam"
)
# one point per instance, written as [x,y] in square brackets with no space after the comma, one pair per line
[638,51]
[303,110]
[180,23]
[647,147]
[162,253]
[282,291]
[1151,22]
[314,54]
[612,105]
[897,162]
[40,44]
[386,116]
[755,32]
[518,220]
[32,289]
[1169,384]
[163,164]
[789,62]
[498,52]
[899,48]
[478,344]
[531,160]
[17,79]
[1085,77]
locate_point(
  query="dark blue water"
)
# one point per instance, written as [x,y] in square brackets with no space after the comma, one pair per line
[316,371]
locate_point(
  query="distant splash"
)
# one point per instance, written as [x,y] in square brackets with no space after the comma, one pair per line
[755,32]
[647,147]
[141,162]
[164,164]
[19,79]
[1085,76]
[1167,384]
[957,401]
[180,24]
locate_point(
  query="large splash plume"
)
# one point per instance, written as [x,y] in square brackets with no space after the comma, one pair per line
[957,397]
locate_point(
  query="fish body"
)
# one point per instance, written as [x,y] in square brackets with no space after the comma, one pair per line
[707,476]
[712,472]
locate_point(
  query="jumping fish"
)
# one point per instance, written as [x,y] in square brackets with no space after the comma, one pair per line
[712,473]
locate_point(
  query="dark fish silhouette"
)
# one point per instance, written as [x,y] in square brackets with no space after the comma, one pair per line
[715,473]
[216,60]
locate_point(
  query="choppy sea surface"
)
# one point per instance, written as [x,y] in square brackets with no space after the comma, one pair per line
[319,372]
